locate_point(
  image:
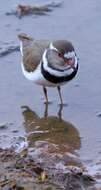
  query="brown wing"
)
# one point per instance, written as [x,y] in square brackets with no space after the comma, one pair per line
[33,54]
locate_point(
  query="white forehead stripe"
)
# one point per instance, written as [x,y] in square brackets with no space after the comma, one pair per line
[66,55]
[51,46]
[69,55]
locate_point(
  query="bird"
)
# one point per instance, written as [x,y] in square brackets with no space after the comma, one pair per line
[48,63]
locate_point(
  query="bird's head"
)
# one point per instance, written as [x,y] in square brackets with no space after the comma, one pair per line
[65,51]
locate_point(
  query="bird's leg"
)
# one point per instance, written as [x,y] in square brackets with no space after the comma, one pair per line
[45,93]
[59,91]
[60,112]
[46,111]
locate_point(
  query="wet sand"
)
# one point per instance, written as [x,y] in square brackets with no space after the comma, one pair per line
[79,22]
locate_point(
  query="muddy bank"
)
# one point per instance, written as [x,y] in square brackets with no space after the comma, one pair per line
[20,171]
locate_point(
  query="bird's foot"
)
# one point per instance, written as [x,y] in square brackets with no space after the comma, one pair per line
[47,102]
[64,104]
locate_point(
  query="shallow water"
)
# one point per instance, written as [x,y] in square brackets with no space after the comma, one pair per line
[21,102]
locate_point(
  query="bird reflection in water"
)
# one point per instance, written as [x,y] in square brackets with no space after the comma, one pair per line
[51,131]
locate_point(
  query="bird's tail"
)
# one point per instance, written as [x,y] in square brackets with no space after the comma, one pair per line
[25,39]
[25,42]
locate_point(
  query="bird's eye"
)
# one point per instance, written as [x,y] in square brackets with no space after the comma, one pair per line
[60,54]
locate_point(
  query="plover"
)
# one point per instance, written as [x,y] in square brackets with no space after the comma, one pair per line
[48,63]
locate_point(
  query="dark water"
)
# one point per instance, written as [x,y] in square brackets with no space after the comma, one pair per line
[21,102]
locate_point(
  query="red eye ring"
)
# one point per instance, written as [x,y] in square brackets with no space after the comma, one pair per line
[60,54]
